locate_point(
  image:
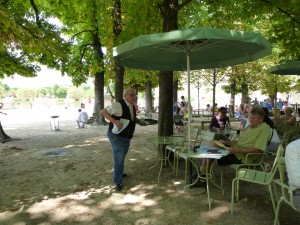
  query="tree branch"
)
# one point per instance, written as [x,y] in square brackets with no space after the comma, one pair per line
[72,38]
[183,4]
[283,11]
[37,19]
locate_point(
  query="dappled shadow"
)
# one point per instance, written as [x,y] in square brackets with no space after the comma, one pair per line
[77,188]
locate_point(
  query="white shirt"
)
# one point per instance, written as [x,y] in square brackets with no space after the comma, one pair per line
[292,161]
[83,117]
[284,106]
[116,109]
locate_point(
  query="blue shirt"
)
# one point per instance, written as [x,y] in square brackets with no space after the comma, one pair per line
[269,106]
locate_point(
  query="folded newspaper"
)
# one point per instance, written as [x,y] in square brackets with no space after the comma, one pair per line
[124,122]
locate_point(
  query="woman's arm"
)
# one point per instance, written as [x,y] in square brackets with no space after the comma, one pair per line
[292,121]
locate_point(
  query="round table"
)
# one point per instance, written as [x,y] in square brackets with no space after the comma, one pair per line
[54,122]
[160,142]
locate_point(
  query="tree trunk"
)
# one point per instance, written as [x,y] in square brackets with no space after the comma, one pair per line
[99,97]
[175,91]
[214,92]
[233,91]
[99,80]
[245,92]
[148,96]
[119,82]
[165,115]
[275,97]
[117,29]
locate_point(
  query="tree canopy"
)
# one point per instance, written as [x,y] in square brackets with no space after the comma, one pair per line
[80,45]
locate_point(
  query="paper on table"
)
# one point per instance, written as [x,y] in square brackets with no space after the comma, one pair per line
[125,123]
[220,144]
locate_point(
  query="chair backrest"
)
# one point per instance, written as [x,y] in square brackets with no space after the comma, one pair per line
[206,136]
[281,168]
[287,137]
[194,133]
[286,191]
[287,195]
[279,154]
[283,128]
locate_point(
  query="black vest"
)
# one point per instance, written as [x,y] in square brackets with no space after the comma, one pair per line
[129,130]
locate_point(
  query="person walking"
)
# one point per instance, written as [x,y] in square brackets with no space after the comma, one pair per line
[3,136]
[123,110]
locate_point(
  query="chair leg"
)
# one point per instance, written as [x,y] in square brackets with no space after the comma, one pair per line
[237,190]
[208,176]
[272,197]
[233,194]
[186,171]
[276,220]
[222,177]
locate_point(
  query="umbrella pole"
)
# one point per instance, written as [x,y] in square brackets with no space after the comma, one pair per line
[189,92]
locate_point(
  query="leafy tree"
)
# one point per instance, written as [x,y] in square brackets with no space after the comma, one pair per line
[25,94]
[76,93]
[58,91]
[43,92]
[2,90]
[27,38]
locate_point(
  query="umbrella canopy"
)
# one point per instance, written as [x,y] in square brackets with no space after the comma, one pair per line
[185,50]
[288,68]
[208,48]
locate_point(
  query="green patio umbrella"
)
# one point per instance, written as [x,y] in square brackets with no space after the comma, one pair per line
[185,50]
[287,68]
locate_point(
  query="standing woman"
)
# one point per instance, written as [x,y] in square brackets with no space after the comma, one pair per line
[269,106]
[120,140]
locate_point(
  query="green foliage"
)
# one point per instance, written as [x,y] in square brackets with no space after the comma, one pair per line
[76,47]
[26,37]
[76,93]
[2,91]
[25,94]
[56,91]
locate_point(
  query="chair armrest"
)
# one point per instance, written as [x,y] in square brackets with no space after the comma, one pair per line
[285,190]
[254,158]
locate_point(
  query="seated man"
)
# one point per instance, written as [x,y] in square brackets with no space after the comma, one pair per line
[292,161]
[253,139]
[82,118]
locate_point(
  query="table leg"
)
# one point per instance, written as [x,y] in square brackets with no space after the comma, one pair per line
[160,159]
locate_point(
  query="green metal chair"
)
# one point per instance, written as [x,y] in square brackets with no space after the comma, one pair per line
[252,161]
[288,136]
[176,148]
[256,177]
[287,195]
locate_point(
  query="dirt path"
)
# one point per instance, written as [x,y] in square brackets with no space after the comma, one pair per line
[40,188]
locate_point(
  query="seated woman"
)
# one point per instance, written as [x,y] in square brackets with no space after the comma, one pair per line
[289,118]
[219,121]
[207,110]
[178,120]
[278,120]
[183,108]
